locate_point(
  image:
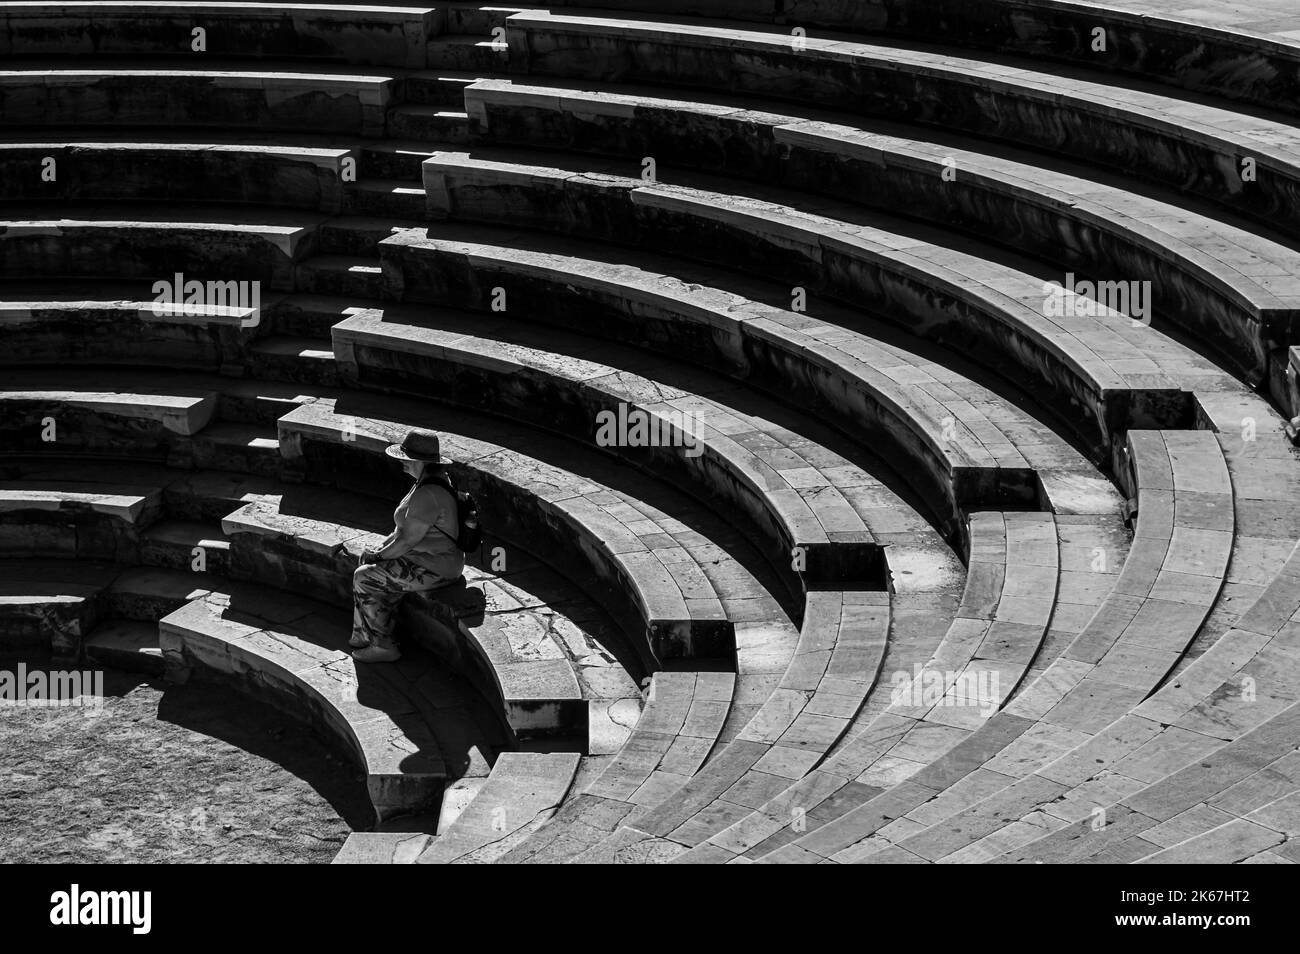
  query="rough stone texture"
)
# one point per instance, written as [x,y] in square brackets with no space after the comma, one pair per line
[166,775]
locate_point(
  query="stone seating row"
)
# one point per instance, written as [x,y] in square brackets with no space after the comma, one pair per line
[1231,53]
[1136,129]
[520,794]
[533,679]
[406,35]
[1224,283]
[1009,599]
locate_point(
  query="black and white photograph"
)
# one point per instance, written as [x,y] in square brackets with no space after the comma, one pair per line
[651,432]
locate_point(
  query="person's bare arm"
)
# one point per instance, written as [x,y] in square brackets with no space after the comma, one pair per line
[399,542]
[411,532]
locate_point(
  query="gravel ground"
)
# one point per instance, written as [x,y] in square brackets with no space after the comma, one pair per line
[170,774]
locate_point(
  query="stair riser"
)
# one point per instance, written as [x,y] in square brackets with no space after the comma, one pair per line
[378,204]
[148,664]
[380,164]
[426,91]
[474,20]
[462,57]
[55,628]
[211,455]
[256,410]
[295,369]
[247,177]
[118,336]
[62,535]
[175,556]
[362,286]
[420,128]
[304,322]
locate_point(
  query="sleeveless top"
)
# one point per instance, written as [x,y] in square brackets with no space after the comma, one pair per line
[432,504]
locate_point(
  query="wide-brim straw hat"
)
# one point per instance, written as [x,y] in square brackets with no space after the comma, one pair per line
[424,446]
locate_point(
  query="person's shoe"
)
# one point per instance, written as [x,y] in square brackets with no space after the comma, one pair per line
[377,654]
[358,641]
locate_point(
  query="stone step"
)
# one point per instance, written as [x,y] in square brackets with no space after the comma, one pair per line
[1224,805]
[1233,288]
[307,360]
[37,331]
[307,541]
[1014,586]
[526,493]
[48,606]
[442,87]
[188,495]
[1189,49]
[398,161]
[311,316]
[241,448]
[679,727]
[469,52]
[428,123]
[101,409]
[962,442]
[185,545]
[1138,126]
[68,519]
[359,235]
[220,244]
[386,197]
[293,654]
[109,94]
[341,276]
[147,594]
[127,644]
[378,35]
[1032,750]
[520,795]
[842,646]
[259,174]
[733,447]
[476,17]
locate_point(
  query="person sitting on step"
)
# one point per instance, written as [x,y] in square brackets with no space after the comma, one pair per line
[420,554]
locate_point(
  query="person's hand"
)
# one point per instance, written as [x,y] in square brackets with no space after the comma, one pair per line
[369,556]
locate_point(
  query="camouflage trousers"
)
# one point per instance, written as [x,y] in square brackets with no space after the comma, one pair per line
[378,588]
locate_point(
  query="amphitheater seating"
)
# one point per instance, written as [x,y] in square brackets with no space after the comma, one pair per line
[1233,55]
[1159,602]
[840,652]
[390,36]
[1127,127]
[297,175]
[519,796]
[955,442]
[285,649]
[567,384]
[998,309]
[889,614]
[1009,598]
[684,612]
[317,101]
[1195,262]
